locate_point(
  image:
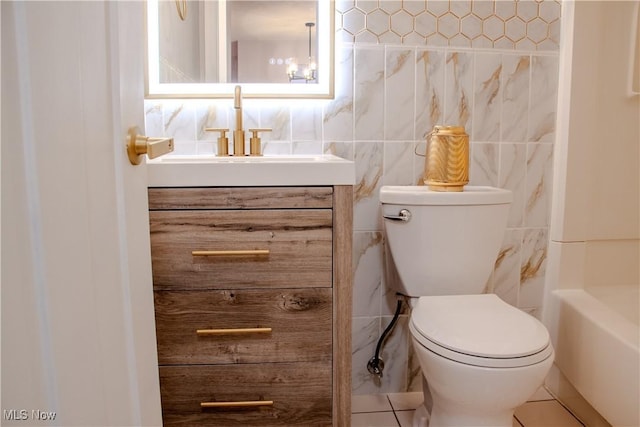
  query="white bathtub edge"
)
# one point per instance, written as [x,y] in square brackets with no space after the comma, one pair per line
[597,350]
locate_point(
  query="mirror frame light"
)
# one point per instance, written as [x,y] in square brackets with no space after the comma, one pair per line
[323,88]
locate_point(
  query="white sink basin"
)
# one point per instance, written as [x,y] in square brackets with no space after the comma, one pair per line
[193,170]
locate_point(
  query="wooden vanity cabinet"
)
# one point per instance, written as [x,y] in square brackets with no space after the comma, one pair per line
[252,290]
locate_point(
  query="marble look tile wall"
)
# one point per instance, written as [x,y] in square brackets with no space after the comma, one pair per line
[388,97]
[498,97]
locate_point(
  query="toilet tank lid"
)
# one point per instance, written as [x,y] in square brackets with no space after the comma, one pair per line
[479,325]
[421,195]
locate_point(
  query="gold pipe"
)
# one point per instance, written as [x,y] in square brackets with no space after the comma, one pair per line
[237,104]
[255,252]
[233,331]
[238,134]
[241,404]
[238,143]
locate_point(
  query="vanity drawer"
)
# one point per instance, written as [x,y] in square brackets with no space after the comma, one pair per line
[301,394]
[300,322]
[240,198]
[299,245]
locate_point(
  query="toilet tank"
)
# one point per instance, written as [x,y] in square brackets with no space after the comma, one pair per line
[450,243]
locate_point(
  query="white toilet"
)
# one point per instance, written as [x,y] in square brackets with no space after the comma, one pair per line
[480,357]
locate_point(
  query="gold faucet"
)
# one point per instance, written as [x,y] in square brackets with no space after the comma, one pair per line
[255,148]
[238,134]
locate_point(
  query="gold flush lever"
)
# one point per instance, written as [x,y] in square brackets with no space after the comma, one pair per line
[137,145]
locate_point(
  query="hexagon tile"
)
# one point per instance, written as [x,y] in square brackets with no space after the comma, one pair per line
[503,24]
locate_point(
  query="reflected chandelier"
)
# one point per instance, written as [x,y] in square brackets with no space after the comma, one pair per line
[309,71]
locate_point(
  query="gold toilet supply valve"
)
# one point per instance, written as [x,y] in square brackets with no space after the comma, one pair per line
[255,148]
[223,141]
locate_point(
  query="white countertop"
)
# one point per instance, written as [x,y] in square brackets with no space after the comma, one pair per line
[206,171]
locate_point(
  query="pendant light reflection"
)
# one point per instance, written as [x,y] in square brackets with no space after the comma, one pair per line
[310,68]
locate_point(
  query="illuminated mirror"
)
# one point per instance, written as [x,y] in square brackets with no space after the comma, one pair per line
[272,48]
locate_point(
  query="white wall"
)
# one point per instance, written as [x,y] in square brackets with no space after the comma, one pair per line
[180,44]
[595,217]
[597,195]
[254,55]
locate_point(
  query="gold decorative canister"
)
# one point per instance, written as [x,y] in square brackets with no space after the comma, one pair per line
[447,159]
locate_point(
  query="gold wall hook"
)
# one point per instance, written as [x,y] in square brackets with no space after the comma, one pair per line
[181,6]
[138,145]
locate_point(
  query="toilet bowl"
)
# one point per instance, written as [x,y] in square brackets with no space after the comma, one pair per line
[480,357]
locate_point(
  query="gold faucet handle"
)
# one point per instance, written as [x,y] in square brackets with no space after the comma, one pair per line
[223,141]
[254,143]
[256,130]
[221,130]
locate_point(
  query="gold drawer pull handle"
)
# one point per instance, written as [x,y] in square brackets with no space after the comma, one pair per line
[242,404]
[233,331]
[256,252]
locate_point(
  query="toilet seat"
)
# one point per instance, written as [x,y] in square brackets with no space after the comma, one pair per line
[480,330]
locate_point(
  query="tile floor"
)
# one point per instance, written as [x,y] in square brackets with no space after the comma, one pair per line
[396,410]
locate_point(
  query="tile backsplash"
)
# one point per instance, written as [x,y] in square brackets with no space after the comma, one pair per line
[504,24]
[394,82]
